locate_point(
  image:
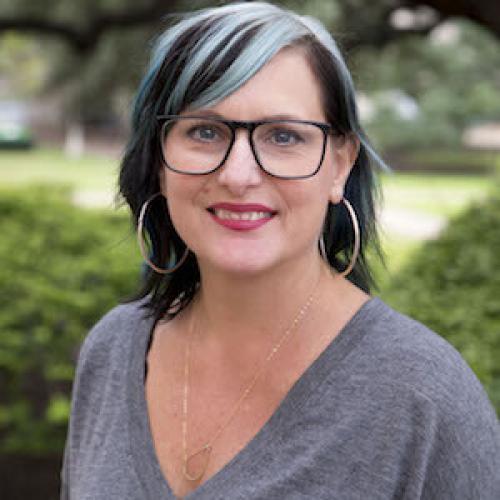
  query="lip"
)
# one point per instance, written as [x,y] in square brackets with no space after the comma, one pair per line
[242,207]
[241,225]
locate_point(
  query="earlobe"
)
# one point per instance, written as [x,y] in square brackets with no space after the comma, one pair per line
[336,193]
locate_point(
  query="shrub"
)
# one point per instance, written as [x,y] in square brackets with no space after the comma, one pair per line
[62,268]
[452,285]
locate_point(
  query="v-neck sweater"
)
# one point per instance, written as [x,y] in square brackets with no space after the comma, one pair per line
[389,410]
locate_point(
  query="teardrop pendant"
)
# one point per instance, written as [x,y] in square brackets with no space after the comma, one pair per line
[205,452]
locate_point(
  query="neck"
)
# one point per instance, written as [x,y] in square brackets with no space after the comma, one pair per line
[244,310]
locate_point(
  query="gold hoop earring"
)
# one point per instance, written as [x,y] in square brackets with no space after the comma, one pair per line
[142,246]
[357,240]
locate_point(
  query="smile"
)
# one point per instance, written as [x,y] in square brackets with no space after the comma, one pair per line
[251,216]
[241,217]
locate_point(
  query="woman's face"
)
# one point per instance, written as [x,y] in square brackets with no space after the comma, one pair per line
[282,219]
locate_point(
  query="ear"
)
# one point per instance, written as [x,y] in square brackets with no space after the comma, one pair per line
[345,152]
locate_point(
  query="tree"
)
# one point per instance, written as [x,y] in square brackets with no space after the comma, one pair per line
[97,49]
[452,77]
[88,21]
[94,52]
[483,12]
[81,24]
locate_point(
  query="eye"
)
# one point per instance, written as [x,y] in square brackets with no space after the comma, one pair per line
[205,133]
[284,137]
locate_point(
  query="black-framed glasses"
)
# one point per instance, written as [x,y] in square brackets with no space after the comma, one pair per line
[198,145]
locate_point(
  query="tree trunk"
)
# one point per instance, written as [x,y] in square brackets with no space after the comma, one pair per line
[74,141]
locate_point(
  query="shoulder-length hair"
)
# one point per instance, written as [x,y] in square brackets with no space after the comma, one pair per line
[199,61]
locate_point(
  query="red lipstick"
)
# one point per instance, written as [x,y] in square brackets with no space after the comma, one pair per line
[241,216]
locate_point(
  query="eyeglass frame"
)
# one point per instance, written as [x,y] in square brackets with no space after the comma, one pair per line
[250,126]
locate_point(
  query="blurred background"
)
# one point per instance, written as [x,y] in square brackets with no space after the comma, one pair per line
[428,80]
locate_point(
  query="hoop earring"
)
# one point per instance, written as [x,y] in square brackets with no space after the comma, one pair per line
[142,246]
[357,240]
[322,248]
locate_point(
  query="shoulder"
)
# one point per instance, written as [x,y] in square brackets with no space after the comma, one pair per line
[105,374]
[419,380]
[104,367]
[410,358]
[415,357]
[112,340]
[117,327]
[419,407]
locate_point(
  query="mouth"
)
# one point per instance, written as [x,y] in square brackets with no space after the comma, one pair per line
[241,216]
[221,213]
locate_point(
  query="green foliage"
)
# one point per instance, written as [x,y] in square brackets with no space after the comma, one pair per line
[453,286]
[22,59]
[95,86]
[62,268]
[455,84]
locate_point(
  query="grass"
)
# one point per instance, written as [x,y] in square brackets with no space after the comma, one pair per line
[437,195]
[441,195]
[94,179]
[48,166]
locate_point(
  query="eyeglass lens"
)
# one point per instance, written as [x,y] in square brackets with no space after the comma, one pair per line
[283,148]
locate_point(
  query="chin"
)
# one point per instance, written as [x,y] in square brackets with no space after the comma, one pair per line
[240,264]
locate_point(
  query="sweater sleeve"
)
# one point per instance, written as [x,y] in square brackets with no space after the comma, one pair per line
[461,434]
[428,404]
[92,372]
[464,460]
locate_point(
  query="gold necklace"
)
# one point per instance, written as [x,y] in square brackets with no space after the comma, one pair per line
[206,449]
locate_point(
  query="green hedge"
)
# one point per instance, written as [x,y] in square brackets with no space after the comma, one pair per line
[61,269]
[452,285]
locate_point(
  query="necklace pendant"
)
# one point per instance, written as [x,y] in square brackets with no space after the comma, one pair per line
[204,455]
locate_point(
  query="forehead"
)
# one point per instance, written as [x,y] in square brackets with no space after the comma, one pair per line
[286,85]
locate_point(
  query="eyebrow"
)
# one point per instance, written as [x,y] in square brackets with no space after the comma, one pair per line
[213,114]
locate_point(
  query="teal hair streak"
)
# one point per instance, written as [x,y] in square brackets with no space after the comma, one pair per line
[233,18]
[202,52]
[275,29]
[270,38]
[197,62]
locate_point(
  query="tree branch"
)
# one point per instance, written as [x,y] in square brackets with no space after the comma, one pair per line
[484,12]
[378,34]
[84,40]
[377,31]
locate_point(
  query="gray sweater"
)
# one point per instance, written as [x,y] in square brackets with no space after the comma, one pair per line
[388,411]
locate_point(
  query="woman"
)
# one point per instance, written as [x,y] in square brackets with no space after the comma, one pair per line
[255,364]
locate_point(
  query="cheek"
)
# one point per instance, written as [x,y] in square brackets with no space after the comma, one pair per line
[181,195]
[179,188]
[307,201]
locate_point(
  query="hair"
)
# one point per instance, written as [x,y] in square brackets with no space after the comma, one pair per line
[199,61]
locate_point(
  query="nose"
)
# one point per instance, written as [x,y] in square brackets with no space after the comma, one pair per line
[240,170]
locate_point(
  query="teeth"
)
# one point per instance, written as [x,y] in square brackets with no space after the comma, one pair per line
[227,214]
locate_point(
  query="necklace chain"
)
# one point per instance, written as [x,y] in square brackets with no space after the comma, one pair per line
[206,449]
